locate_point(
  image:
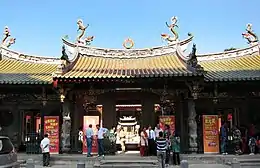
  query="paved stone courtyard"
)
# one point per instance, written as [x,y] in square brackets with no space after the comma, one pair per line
[194,160]
[190,166]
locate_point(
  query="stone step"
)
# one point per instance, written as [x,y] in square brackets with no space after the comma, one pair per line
[126,166]
[85,158]
[127,163]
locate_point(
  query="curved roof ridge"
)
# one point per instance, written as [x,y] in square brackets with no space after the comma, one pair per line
[11,54]
[230,54]
[182,42]
[124,53]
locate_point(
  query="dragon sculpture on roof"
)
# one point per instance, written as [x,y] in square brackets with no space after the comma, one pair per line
[249,35]
[80,39]
[172,28]
[7,39]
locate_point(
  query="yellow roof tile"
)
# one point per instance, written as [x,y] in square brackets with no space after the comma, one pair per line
[233,69]
[102,67]
[20,72]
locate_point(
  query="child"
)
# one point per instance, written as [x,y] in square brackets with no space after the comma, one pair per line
[175,146]
[161,144]
[252,145]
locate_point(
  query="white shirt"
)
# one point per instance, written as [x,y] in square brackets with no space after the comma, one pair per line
[156,131]
[45,145]
[150,134]
[100,133]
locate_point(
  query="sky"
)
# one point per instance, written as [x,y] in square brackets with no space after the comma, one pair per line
[38,26]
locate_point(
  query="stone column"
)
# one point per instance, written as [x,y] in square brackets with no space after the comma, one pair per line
[193,145]
[148,113]
[75,119]
[180,122]
[65,127]
[109,111]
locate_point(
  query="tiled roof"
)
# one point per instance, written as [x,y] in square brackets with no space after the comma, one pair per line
[103,67]
[241,68]
[20,72]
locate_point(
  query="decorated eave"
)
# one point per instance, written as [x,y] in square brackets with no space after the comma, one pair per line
[19,68]
[87,63]
[130,107]
[236,64]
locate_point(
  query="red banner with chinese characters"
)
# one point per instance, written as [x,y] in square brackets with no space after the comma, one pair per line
[167,120]
[211,133]
[94,120]
[51,127]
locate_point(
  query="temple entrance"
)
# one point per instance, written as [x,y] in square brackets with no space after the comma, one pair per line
[129,118]
[31,132]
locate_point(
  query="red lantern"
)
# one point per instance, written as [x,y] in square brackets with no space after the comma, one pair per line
[229,117]
[55,83]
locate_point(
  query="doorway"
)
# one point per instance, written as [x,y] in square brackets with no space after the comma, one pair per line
[31,131]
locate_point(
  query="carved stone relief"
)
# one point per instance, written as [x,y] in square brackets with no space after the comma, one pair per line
[14,97]
[66,127]
[193,145]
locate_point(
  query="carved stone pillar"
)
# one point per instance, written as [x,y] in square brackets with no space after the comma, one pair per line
[193,145]
[65,121]
[66,127]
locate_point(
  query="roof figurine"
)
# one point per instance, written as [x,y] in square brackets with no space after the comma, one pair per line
[6,40]
[193,61]
[171,27]
[249,35]
[82,29]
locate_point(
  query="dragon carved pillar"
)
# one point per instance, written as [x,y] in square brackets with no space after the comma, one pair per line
[192,123]
[194,88]
[66,121]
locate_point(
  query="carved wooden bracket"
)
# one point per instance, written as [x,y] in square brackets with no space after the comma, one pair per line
[89,97]
[195,88]
[63,93]
[44,96]
[160,92]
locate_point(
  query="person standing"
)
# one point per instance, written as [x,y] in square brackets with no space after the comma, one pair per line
[143,142]
[157,129]
[45,146]
[175,146]
[122,136]
[89,138]
[161,145]
[100,140]
[167,134]
[252,145]
[151,141]
[223,138]
[80,139]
